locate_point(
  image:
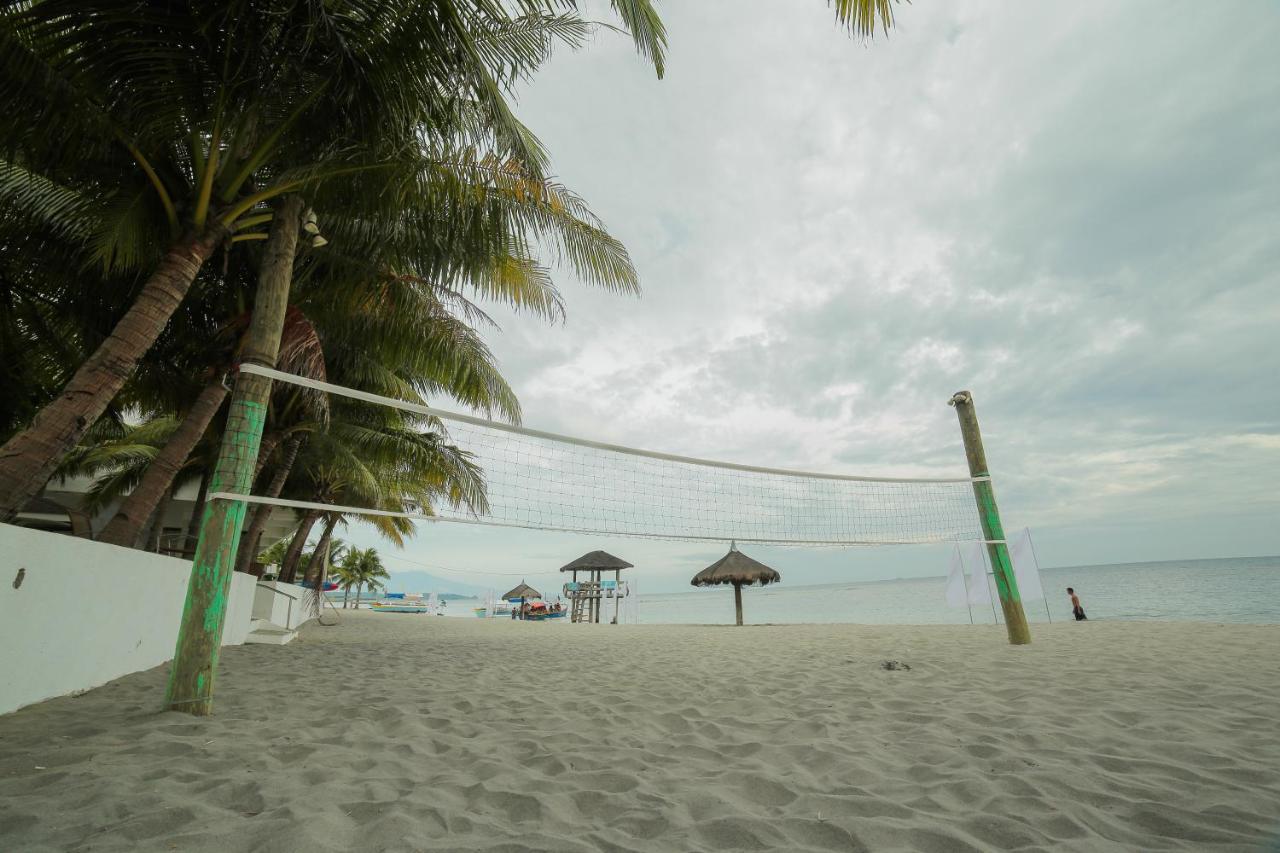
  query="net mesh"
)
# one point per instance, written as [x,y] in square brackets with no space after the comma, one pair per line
[542,481]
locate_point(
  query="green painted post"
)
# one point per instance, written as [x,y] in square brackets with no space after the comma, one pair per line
[1015,618]
[195,660]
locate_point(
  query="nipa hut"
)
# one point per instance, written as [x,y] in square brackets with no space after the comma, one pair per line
[522,593]
[738,569]
[587,596]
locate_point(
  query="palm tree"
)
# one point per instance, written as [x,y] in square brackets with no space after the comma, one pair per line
[363,569]
[300,353]
[345,577]
[380,459]
[197,122]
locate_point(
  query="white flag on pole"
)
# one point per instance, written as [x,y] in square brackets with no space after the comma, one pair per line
[975,560]
[955,580]
[1024,567]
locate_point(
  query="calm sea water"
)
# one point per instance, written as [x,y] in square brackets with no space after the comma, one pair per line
[1224,590]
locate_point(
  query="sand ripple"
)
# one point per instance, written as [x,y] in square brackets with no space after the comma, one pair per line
[404,733]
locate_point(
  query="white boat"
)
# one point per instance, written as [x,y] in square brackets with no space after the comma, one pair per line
[492,607]
[399,607]
[401,602]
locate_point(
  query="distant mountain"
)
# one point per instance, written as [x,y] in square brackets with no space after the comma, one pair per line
[420,581]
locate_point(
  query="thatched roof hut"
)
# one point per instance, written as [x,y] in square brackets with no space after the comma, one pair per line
[738,569]
[596,561]
[521,593]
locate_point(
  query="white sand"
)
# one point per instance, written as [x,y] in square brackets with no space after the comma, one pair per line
[404,732]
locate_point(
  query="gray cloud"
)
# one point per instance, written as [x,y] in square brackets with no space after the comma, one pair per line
[1070,209]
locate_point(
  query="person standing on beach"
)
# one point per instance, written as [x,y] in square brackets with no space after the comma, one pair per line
[1076,610]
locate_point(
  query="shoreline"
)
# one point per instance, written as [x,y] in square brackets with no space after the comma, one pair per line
[393,732]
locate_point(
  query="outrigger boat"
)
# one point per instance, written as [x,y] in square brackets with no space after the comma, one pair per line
[399,607]
[400,602]
[539,611]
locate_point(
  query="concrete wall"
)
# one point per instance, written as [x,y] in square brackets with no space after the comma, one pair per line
[282,604]
[86,613]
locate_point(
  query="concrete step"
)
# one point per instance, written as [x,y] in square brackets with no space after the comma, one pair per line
[268,633]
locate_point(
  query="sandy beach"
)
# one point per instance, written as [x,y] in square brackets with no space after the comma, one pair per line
[415,733]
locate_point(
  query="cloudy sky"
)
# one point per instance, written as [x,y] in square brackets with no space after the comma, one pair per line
[1071,209]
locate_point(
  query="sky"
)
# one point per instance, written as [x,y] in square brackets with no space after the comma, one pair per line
[1071,210]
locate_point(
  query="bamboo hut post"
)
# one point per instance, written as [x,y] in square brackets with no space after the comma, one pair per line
[586,599]
[737,599]
[617,590]
[1015,618]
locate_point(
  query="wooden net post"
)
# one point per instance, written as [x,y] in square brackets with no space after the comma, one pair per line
[1015,618]
[195,659]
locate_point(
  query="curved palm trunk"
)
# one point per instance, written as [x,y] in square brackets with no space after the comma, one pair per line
[359,589]
[28,459]
[315,567]
[128,522]
[249,547]
[197,512]
[289,565]
[268,446]
[157,523]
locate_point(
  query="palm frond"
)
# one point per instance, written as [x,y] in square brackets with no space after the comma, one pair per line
[861,17]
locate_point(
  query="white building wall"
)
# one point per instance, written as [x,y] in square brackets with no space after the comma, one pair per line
[87,612]
[282,604]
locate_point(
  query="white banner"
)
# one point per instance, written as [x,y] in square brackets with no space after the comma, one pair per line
[1025,568]
[955,581]
[975,560]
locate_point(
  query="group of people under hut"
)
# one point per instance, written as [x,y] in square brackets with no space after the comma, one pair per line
[535,610]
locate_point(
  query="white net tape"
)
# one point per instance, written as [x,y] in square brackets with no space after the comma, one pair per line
[543,481]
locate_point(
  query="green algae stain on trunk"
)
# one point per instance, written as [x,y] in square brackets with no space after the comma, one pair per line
[204,613]
[1001,564]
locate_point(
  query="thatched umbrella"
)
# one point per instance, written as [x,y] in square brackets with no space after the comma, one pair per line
[738,569]
[596,561]
[522,592]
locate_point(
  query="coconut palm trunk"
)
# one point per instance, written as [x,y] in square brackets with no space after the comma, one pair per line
[195,659]
[316,566]
[289,565]
[157,522]
[262,512]
[193,524]
[318,569]
[124,528]
[265,449]
[359,589]
[28,459]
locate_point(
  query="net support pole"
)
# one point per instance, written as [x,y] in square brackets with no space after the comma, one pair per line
[1015,618]
[195,659]
[1035,557]
[964,582]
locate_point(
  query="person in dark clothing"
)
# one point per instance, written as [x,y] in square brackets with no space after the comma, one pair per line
[1076,610]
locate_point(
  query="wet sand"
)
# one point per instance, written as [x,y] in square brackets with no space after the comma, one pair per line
[406,732]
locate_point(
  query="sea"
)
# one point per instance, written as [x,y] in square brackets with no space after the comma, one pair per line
[1245,589]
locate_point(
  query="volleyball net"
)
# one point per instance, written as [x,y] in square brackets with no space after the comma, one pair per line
[539,480]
